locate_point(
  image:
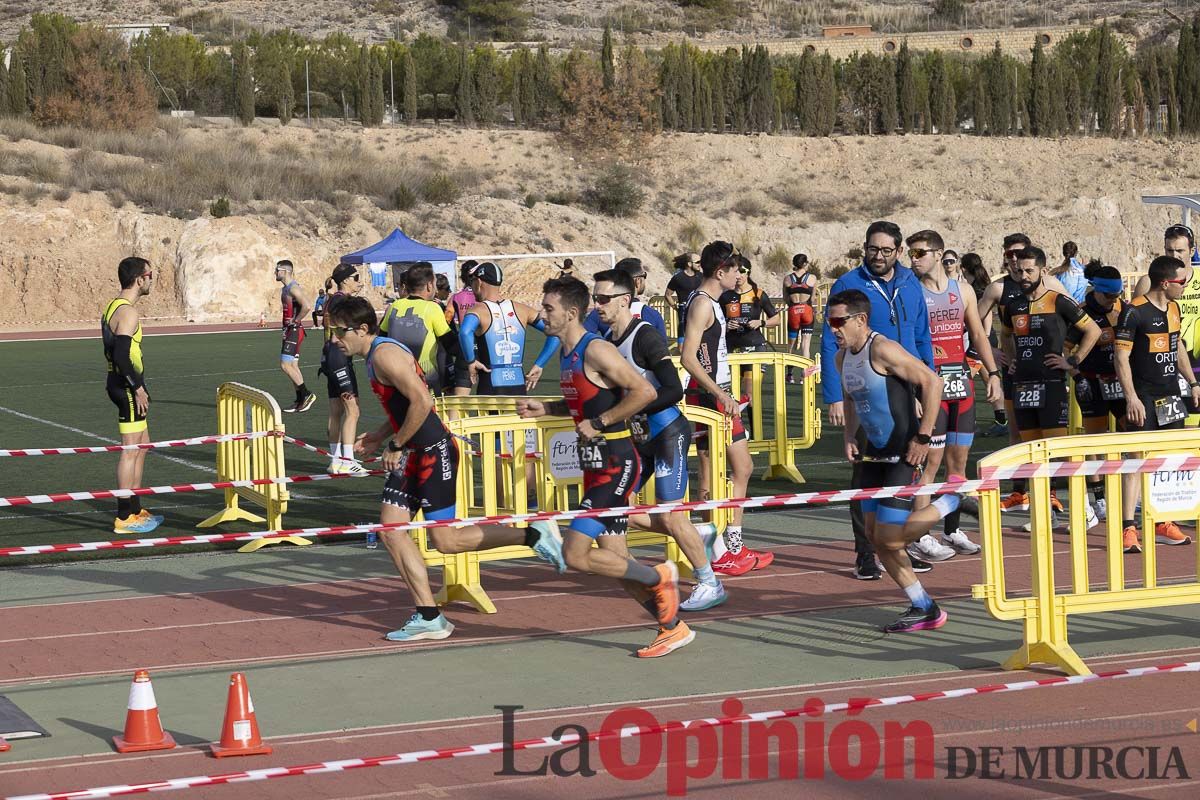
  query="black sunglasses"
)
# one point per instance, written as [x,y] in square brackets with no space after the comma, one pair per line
[605,299]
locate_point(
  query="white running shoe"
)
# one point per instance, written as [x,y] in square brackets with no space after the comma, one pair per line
[335,467]
[704,597]
[929,549]
[353,468]
[959,541]
[1101,508]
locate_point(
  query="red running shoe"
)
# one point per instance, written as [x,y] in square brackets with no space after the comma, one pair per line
[734,565]
[764,558]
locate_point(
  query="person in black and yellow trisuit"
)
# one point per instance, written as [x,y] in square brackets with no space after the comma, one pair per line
[121,330]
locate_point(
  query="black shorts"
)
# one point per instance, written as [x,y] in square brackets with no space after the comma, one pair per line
[955,424]
[293,337]
[122,396]
[874,474]
[339,371]
[428,481]
[1152,423]
[1052,409]
[1089,396]
[608,488]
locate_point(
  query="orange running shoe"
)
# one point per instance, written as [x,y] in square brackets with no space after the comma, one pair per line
[1169,533]
[668,641]
[1130,540]
[666,592]
[1017,501]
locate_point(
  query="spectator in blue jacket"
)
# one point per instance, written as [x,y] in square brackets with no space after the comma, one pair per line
[1070,273]
[898,311]
[639,308]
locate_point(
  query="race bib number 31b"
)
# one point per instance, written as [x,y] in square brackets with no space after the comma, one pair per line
[954,381]
[1029,395]
[1111,389]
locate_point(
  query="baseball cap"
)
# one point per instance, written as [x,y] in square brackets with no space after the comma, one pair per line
[488,273]
[343,271]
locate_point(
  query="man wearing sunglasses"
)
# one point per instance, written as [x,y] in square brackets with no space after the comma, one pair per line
[637,308]
[341,382]
[898,312]
[887,442]
[295,305]
[1154,368]
[121,331]
[661,434]
[421,458]
[953,321]
[705,356]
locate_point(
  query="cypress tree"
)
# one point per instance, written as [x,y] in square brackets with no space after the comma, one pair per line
[906,82]
[888,103]
[1153,91]
[686,90]
[546,98]
[529,106]
[926,114]
[1073,100]
[764,90]
[1040,98]
[718,97]
[18,89]
[806,89]
[828,94]
[243,84]
[464,93]
[4,112]
[517,113]
[706,115]
[362,91]
[1187,77]
[1106,92]
[982,105]
[670,88]
[410,88]
[1136,97]
[1171,100]
[286,101]
[487,85]
[377,95]
[607,68]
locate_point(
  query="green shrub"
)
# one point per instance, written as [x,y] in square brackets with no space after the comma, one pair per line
[441,188]
[219,208]
[615,192]
[402,198]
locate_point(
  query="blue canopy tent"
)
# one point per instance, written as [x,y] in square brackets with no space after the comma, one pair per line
[401,252]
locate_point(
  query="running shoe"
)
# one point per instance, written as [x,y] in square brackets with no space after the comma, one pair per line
[306,402]
[1092,518]
[156,518]
[918,619]
[1017,501]
[704,597]
[1129,540]
[959,541]
[791,379]
[1169,533]
[763,558]
[1101,508]
[549,544]
[353,468]
[134,524]
[668,641]
[997,429]
[666,591]
[335,467]
[418,628]
[866,568]
[930,549]
[734,565]
[920,564]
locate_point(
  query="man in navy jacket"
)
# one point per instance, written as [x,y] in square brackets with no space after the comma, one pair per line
[898,311]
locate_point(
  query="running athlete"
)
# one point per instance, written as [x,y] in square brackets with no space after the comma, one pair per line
[1180,242]
[341,382]
[121,331]
[461,302]
[661,433]
[953,319]
[798,288]
[1034,327]
[1098,392]
[421,458]
[705,356]
[498,369]
[1154,368]
[295,306]
[684,281]
[419,323]
[640,310]
[887,442]
[601,391]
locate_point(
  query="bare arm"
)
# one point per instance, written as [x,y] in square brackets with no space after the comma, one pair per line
[698,320]
[983,347]
[396,368]
[1185,369]
[603,360]
[892,359]
[1135,412]
[305,303]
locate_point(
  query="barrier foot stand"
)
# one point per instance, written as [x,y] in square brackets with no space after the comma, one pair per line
[778,472]
[257,544]
[1062,656]
[230,514]
[461,583]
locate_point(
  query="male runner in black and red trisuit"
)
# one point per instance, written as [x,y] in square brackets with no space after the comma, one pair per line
[295,306]
[601,392]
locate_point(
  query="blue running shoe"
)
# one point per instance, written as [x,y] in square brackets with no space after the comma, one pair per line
[157,518]
[134,524]
[549,544]
[417,628]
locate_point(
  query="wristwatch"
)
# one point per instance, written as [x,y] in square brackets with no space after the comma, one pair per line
[922,438]
[1073,361]
[597,424]
[995,373]
[393,447]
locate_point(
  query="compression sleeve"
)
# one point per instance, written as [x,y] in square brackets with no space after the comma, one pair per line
[124,362]
[548,349]
[466,336]
[450,344]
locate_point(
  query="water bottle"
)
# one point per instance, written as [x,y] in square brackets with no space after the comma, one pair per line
[372,540]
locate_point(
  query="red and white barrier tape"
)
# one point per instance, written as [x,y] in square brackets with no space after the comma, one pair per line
[628,732]
[116,448]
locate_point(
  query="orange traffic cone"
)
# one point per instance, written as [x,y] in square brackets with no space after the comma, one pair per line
[239,733]
[143,731]
[4,746]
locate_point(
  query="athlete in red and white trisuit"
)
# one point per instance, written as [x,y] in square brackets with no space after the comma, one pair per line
[295,305]
[953,317]
[422,463]
[798,288]
[601,391]
[705,355]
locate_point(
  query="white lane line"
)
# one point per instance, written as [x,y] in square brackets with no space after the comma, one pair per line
[149,333]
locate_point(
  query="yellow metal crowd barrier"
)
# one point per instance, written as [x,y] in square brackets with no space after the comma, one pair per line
[1165,496]
[670,316]
[792,428]
[244,409]
[492,479]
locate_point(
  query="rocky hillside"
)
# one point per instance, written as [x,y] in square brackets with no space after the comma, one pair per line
[71,214]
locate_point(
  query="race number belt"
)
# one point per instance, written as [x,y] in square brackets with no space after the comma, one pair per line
[1029,395]
[1111,389]
[639,428]
[594,454]
[954,381]
[1168,410]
